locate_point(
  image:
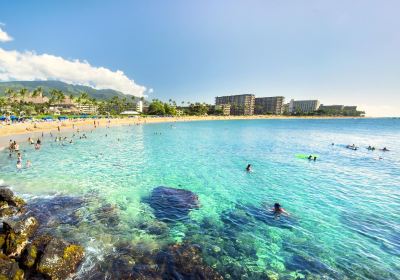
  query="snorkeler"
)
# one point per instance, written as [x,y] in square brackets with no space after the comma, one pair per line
[248,168]
[278,210]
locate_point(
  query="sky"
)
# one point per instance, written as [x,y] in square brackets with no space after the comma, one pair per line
[340,52]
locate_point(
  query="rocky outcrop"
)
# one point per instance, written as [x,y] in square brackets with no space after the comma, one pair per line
[60,259]
[18,234]
[9,269]
[6,195]
[171,204]
[44,257]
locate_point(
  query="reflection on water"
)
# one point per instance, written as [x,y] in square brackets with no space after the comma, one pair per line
[213,219]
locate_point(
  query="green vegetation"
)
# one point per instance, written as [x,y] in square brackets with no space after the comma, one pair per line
[48,86]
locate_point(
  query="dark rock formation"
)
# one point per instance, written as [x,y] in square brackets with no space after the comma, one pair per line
[44,257]
[55,211]
[8,196]
[175,262]
[154,227]
[9,269]
[107,215]
[249,215]
[60,259]
[171,204]
[17,235]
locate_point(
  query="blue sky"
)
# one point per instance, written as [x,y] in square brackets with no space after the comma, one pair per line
[341,52]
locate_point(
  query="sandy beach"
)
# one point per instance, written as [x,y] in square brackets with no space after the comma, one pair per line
[21,131]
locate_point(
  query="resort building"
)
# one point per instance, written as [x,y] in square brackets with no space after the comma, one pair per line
[303,106]
[269,105]
[239,104]
[139,106]
[87,108]
[331,107]
[67,105]
[224,108]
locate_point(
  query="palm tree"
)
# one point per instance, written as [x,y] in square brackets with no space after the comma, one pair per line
[60,96]
[23,92]
[53,96]
[9,93]
[37,92]
[133,98]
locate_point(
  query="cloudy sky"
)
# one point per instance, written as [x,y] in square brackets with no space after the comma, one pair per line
[341,52]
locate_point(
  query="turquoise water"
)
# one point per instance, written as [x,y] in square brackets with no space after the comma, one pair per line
[344,208]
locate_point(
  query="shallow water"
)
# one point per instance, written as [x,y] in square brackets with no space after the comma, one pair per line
[345,207]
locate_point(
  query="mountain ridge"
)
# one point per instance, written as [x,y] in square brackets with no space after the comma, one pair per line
[68,89]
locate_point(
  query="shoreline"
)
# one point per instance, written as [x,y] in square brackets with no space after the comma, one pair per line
[20,131]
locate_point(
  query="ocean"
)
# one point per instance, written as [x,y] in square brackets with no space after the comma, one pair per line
[344,208]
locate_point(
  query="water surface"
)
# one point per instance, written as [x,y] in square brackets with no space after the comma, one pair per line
[344,208]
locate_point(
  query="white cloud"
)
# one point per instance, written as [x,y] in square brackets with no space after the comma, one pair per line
[150,91]
[29,66]
[4,37]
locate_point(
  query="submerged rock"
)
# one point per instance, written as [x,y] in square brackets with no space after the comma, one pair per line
[60,259]
[311,265]
[55,211]
[154,227]
[9,269]
[171,204]
[108,215]
[249,214]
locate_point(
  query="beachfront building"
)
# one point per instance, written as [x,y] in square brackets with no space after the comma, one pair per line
[67,105]
[303,106]
[339,110]
[87,108]
[269,105]
[242,104]
[139,106]
[224,108]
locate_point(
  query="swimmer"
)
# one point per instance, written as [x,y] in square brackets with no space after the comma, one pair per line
[19,165]
[248,168]
[278,210]
[385,149]
[315,158]
[28,163]
[310,157]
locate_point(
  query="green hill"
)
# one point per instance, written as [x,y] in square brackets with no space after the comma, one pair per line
[68,89]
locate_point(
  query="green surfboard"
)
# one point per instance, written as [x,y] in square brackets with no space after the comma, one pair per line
[305,156]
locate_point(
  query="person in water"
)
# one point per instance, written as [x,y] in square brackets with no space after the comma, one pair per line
[28,163]
[278,210]
[310,157]
[248,168]
[385,149]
